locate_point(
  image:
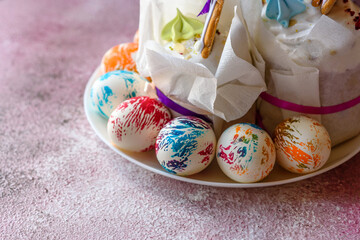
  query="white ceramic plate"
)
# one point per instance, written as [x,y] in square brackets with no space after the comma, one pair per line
[213,176]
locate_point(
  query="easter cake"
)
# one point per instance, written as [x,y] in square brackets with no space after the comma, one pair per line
[313,61]
[199,75]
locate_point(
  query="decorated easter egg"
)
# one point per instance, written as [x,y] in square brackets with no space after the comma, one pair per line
[120,57]
[245,153]
[112,88]
[302,144]
[136,122]
[185,146]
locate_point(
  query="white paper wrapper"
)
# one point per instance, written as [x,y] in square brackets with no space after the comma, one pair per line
[321,69]
[225,85]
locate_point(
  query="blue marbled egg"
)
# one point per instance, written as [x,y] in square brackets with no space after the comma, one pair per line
[185,146]
[112,88]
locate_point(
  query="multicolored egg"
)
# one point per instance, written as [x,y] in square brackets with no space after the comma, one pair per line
[120,57]
[185,146]
[302,144]
[136,122]
[114,87]
[245,153]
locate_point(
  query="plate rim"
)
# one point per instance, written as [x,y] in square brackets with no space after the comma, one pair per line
[202,182]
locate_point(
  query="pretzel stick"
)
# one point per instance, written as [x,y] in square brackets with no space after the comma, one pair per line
[327,5]
[211,30]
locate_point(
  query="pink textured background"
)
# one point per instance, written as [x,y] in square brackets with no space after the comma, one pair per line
[58,180]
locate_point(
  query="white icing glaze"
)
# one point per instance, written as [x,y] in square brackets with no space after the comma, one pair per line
[188,50]
[185,49]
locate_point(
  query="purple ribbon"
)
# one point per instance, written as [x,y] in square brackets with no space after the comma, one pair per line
[308,109]
[177,108]
[206,8]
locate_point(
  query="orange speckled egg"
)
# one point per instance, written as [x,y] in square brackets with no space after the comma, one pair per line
[120,57]
[302,144]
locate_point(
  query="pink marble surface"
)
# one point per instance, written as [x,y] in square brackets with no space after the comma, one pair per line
[59,181]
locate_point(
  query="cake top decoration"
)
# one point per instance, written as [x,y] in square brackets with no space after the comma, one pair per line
[181,28]
[284,10]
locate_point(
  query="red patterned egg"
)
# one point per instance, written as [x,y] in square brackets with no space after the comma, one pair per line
[136,122]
